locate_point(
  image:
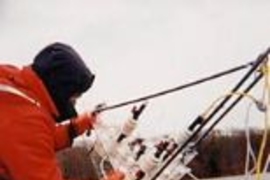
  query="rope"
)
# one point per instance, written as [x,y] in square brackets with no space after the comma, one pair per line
[228,109]
[267,164]
[249,149]
[267,113]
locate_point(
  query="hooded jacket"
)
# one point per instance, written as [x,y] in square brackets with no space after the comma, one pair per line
[64,74]
[29,135]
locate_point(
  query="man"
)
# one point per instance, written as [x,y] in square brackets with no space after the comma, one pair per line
[34,101]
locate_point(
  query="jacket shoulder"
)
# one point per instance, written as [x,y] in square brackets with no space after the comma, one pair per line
[7,70]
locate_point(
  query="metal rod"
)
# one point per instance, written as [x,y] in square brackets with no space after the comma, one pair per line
[178,88]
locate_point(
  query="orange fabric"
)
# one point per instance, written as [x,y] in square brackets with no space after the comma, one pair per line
[27,132]
[29,135]
[84,122]
[81,124]
[62,139]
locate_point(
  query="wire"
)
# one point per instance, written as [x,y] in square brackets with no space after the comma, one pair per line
[178,88]
[102,168]
[249,151]
[193,176]
[254,64]
[249,148]
[104,149]
[226,95]
[260,60]
[90,149]
[267,164]
[266,69]
[179,150]
[241,95]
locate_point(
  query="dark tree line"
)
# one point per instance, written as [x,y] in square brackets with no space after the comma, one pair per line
[224,154]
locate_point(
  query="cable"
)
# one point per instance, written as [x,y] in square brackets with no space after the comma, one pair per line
[249,151]
[178,88]
[258,105]
[255,81]
[229,94]
[257,63]
[102,168]
[107,154]
[199,120]
[252,98]
[254,65]
[267,164]
[192,176]
[254,101]
[267,113]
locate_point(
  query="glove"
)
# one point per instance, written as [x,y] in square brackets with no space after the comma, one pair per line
[115,175]
[84,122]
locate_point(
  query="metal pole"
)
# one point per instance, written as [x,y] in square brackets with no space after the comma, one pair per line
[178,88]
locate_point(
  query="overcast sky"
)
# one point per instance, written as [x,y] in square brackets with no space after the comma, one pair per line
[139,47]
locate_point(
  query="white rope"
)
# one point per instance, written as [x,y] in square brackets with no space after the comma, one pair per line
[193,176]
[102,168]
[249,151]
[267,164]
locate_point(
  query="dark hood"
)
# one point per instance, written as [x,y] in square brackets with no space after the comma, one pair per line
[64,74]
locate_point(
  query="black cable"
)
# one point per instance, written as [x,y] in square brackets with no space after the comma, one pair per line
[181,87]
[255,65]
[203,136]
[255,81]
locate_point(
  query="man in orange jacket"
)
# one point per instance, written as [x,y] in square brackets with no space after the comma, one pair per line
[34,101]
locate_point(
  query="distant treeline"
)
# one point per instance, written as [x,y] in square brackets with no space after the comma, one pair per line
[224,154]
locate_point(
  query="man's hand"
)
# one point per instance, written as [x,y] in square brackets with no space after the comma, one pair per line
[85,122]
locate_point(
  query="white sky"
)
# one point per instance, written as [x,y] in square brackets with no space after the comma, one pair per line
[138,47]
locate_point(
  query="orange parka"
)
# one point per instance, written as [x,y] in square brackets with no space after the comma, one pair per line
[29,135]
